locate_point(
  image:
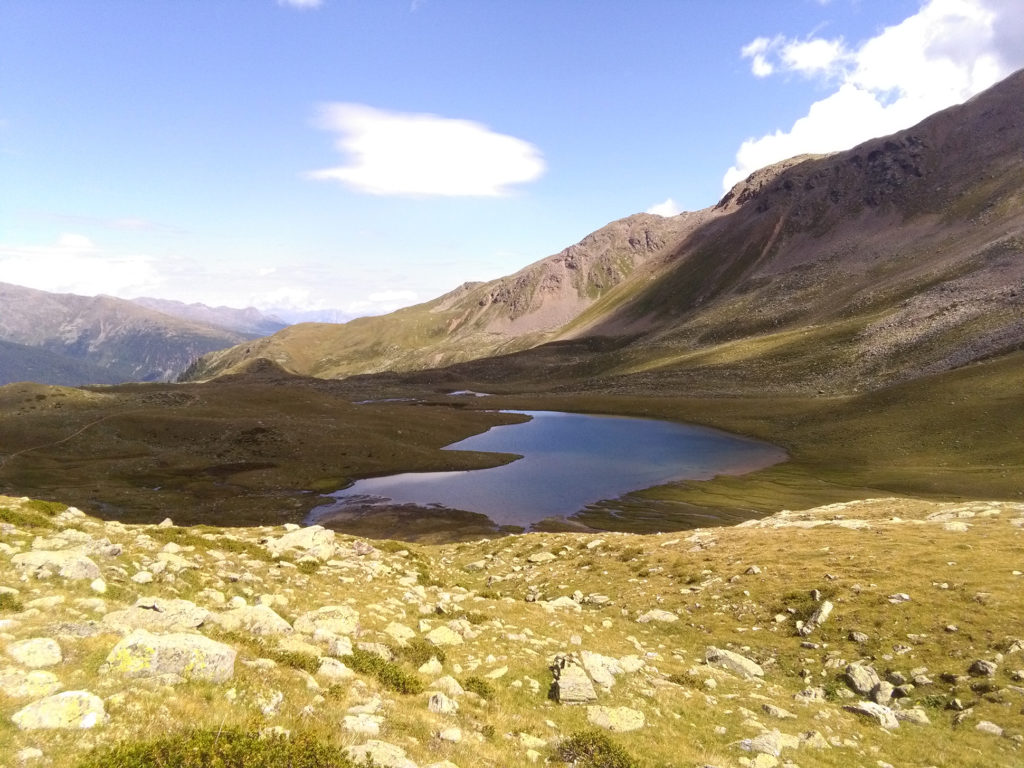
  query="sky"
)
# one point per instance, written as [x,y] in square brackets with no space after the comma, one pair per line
[362,155]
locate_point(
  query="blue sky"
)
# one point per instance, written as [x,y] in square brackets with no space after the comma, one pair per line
[366,154]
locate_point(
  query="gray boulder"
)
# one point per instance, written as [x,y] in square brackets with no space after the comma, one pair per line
[572,685]
[68,564]
[733,662]
[70,709]
[186,656]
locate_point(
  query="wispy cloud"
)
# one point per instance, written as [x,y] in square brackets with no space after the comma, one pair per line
[943,54]
[667,208]
[421,155]
[302,4]
[381,302]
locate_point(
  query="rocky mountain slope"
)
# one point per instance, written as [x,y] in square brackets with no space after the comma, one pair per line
[900,257]
[712,647]
[69,339]
[249,321]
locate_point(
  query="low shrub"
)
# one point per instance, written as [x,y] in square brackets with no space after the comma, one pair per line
[594,749]
[481,687]
[10,602]
[388,673]
[419,651]
[221,749]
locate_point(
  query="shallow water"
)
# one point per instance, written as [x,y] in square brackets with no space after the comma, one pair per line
[569,460]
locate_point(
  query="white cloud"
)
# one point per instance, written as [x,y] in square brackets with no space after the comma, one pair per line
[420,155]
[667,208]
[74,264]
[303,4]
[942,55]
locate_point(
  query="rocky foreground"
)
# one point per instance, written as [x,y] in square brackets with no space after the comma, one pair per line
[886,632]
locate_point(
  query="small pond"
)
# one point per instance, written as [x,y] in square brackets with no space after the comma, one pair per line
[569,460]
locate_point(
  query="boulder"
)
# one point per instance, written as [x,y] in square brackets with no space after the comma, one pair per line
[601,669]
[862,678]
[657,615]
[186,656]
[733,662]
[35,652]
[443,636]
[69,564]
[312,541]
[70,709]
[572,685]
[336,619]
[816,619]
[255,619]
[28,684]
[381,753]
[158,614]
[884,716]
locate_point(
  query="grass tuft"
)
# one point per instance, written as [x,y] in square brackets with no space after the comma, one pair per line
[221,749]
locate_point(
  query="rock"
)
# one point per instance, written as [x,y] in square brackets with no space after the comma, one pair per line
[862,678]
[441,704]
[69,564]
[35,653]
[916,715]
[777,712]
[770,743]
[336,619]
[70,709]
[333,671]
[899,597]
[158,615]
[186,656]
[257,620]
[143,577]
[571,686]
[733,662]
[28,684]
[884,716]
[858,637]
[312,541]
[28,754]
[365,724]
[988,727]
[882,693]
[451,735]
[817,618]
[443,636]
[381,753]
[541,557]
[601,669]
[983,668]
[476,565]
[657,615]
[615,718]
[449,685]
[431,667]
[400,632]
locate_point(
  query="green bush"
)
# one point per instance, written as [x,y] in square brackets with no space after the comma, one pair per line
[295,659]
[482,688]
[388,674]
[419,651]
[221,749]
[593,749]
[10,602]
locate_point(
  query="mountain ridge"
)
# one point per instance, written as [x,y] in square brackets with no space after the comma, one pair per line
[70,339]
[899,256]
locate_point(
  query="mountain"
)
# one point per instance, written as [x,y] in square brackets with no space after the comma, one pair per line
[900,257]
[67,339]
[249,321]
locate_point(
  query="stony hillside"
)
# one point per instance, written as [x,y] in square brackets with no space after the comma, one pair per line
[68,339]
[900,257]
[249,321]
[894,638]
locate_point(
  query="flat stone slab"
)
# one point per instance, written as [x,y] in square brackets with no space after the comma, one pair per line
[70,709]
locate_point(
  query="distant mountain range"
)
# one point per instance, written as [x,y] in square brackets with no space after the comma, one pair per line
[67,339]
[897,258]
